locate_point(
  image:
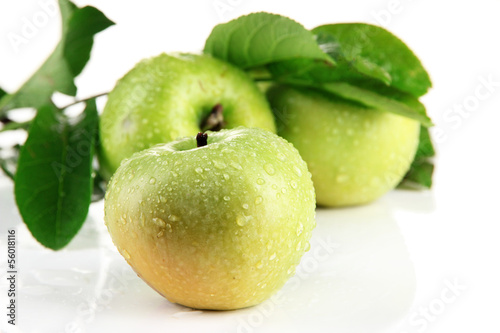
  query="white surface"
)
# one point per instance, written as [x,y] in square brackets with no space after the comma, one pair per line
[391,261]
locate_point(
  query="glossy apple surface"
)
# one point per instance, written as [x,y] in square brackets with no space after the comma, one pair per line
[171,96]
[220,226]
[355,154]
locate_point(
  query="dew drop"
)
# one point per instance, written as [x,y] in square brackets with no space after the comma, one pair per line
[152,180]
[245,206]
[269,169]
[297,171]
[273,256]
[259,265]
[199,170]
[226,176]
[158,235]
[283,190]
[169,227]
[299,246]
[175,174]
[236,165]
[227,198]
[300,229]
[258,200]
[219,164]
[308,246]
[173,217]
[241,220]
[293,184]
[261,181]
[290,270]
[281,156]
[159,222]
[163,199]
[342,178]
[125,254]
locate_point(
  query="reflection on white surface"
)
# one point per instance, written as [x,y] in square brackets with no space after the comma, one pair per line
[357,277]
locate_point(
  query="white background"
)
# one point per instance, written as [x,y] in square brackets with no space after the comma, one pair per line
[451,233]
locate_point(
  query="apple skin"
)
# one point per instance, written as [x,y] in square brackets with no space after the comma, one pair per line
[355,154]
[221,226]
[168,96]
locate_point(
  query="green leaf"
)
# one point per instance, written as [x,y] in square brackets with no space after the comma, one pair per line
[425,147]
[79,25]
[53,183]
[261,38]
[2,93]
[403,105]
[421,170]
[376,46]
[419,175]
[82,27]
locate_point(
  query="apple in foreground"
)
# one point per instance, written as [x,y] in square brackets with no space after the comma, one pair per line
[355,154]
[217,221]
[171,96]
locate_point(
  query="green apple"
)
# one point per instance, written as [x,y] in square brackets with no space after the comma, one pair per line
[213,223]
[171,96]
[355,154]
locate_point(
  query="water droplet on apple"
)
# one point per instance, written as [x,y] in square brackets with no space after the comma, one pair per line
[297,171]
[169,227]
[236,165]
[269,169]
[300,228]
[278,195]
[226,176]
[163,199]
[173,217]
[308,246]
[158,235]
[175,174]
[283,190]
[274,186]
[199,170]
[299,246]
[273,256]
[281,156]
[342,178]
[125,254]
[263,285]
[241,220]
[259,265]
[227,198]
[290,270]
[152,180]
[261,181]
[159,222]
[219,164]
[258,200]
[245,206]
[293,184]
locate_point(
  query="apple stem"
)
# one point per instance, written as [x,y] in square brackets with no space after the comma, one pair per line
[201,139]
[215,120]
